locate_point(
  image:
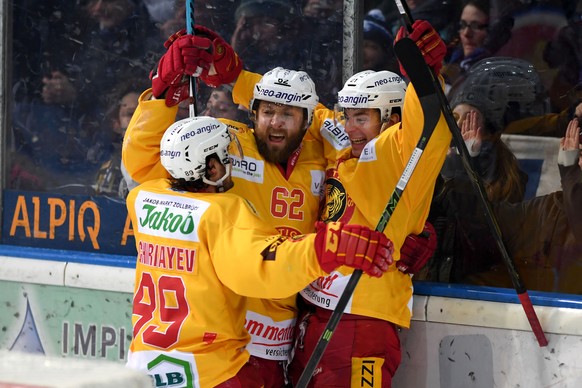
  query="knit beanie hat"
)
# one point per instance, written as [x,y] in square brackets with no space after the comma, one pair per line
[376,29]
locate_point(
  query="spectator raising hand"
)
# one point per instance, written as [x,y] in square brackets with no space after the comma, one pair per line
[472,132]
[571,141]
[570,145]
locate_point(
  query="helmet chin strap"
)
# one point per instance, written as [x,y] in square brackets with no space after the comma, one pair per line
[219,183]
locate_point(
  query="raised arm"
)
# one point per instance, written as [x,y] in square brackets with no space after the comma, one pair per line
[570,165]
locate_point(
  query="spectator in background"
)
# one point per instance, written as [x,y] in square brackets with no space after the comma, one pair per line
[465,241]
[109,50]
[106,148]
[564,53]
[378,42]
[321,45]
[442,14]
[498,91]
[542,235]
[322,9]
[478,37]
[56,124]
[160,10]
[271,33]
[496,164]
[510,88]
[216,15]
[220,105]
[266,33]
[550,124]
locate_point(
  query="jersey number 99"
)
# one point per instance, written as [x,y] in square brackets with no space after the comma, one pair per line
[162,307]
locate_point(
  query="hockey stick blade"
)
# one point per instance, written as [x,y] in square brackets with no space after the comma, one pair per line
[479,187]
[431,109]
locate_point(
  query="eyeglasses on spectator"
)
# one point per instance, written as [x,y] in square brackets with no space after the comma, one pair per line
[475,26]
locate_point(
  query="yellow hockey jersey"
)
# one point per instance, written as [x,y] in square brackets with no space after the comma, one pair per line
[199,255]
[288,200]
[357,191]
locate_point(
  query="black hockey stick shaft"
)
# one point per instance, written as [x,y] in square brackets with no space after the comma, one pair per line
[190,31]
[420,78]
[481,193]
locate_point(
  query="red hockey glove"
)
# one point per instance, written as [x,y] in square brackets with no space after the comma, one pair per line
[417,250]
[428,41]
[194,55]
[356,246]
[227,64]
[185,54]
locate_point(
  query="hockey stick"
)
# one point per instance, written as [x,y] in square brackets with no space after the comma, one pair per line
[420,77]
[478,184]
[190,31]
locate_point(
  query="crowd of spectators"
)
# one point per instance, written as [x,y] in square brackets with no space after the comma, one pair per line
[79,66]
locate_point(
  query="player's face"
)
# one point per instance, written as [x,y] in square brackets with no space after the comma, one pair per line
[214,172]
[279,130]
[362,125]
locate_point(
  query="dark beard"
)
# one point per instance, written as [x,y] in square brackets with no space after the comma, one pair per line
[279,156]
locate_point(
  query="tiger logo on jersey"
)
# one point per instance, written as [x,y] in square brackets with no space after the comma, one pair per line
[338,205]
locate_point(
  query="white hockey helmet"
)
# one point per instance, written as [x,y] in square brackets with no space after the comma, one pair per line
[370,89]
[286,87]
[188,142]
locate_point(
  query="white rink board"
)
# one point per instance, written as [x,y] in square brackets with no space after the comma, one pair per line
[456,340]
[26,370]
[481,344]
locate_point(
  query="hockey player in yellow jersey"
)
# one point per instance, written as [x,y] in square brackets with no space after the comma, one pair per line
[282,173]
[141,158]
[201,251]
[365,345]
[383,124]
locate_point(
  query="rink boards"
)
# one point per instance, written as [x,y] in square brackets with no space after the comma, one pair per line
[63,305]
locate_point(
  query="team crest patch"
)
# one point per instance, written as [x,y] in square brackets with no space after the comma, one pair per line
[338,204]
